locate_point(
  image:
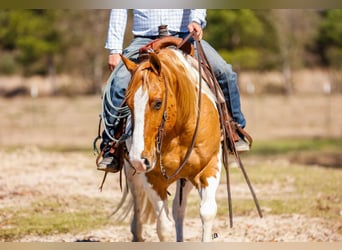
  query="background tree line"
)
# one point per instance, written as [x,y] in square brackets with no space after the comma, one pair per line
[50,42]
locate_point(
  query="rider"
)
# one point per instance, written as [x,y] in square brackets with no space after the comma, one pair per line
[145,29]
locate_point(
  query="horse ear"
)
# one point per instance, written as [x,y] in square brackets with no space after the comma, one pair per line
[155,63]
[130,65]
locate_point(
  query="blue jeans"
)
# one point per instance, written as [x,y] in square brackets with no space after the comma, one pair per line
[227,80]
[224,74]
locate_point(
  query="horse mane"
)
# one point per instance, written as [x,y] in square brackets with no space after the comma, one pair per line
[184,86]
[179,79]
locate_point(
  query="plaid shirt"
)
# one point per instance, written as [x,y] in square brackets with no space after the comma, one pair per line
[146,22]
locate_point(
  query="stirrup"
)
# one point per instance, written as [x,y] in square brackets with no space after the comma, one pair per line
[109,164]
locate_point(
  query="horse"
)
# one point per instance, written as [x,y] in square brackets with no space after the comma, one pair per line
[163,97]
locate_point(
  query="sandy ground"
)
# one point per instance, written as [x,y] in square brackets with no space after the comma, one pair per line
[77,176]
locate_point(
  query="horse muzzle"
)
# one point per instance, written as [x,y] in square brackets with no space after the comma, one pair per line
[142,165]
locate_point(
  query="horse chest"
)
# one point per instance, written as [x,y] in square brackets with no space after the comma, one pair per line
[174,155]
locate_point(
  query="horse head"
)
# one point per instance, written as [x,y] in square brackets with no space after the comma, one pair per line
[152,107]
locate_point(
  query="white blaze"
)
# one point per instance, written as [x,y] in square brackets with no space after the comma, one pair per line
[140,102]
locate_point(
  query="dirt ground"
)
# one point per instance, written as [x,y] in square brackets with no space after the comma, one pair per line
[27,172]
[76,175]
[23,183]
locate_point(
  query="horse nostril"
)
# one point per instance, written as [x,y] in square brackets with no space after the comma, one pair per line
[146,162]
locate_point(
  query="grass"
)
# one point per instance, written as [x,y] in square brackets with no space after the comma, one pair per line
[293,145]
[53,216]
[287,189]
[295,189]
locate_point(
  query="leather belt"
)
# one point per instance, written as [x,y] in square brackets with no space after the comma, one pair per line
[177,34]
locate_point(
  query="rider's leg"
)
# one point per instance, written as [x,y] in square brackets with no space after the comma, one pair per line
[117,93]
[118,86]
[227,80]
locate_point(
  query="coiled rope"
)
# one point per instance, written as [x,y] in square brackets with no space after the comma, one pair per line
[109,110]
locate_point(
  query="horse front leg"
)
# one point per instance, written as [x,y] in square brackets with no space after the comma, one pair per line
[137,190]
[165,225]
[208,207]
[179,205]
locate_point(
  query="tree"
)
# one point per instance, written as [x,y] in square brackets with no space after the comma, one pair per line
[240,36]
[330,38]
[84,34]
[295,29]
[30,34]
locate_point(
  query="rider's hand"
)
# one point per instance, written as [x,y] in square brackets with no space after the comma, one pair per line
[197,28]
[113,61]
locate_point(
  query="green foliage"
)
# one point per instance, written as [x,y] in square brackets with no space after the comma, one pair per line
[233,28]
[241,36]
[331,29]
[7,63]
[245,58]
[330,38]
[6,38]
[31,34]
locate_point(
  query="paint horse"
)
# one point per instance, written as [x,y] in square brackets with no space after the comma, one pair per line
[163,98]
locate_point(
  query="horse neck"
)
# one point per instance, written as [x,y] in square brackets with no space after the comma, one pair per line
[183,91]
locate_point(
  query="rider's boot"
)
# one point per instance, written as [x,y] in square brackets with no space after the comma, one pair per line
[235,133]
[241,144]
[110,161]
[112,153]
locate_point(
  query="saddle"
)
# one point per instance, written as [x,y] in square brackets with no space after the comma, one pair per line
[163,42]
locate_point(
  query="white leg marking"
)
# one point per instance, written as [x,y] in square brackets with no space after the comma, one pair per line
[208,206]
[165,225]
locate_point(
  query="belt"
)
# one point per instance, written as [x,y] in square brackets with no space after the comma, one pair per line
[149,37]
[177,34]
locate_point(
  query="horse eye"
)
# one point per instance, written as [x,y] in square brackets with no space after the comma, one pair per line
[157,104]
